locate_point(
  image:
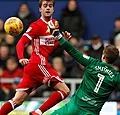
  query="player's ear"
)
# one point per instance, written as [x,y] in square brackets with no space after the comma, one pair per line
[104,57]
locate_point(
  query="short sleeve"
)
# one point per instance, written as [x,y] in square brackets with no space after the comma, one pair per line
[33,31]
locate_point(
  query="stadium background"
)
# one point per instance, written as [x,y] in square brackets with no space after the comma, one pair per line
[99,16]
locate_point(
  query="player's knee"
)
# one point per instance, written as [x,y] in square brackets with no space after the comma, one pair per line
[63,87]
[67,91]
[20,97]
[18,100]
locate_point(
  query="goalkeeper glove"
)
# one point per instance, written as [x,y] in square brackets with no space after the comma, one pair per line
[54,30]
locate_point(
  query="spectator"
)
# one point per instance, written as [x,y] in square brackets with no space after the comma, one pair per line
[4,53]
[115,31]
[74,41]
[78,70]
[6,94]
[117,44]
[26,15]
[70,63]
[96,48]
[2,32]
[117,41]
[12,71]
[16,81]
[72,20]
[56,52]
[28,51]
[58,65]
[10,41]
[1,71]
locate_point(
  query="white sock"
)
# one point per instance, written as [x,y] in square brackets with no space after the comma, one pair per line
[38,112]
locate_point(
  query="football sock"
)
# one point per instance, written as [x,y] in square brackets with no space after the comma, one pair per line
[53,100]
[38,111]
[8,107]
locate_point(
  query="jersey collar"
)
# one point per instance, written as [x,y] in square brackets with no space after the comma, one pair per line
[43,20]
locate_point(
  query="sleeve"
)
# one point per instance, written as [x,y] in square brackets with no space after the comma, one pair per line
[77,55]
[20,46]
[32,32]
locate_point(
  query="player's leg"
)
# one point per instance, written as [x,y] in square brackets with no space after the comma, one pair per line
[16,101]
[23,90]
[61,93]
[57,83]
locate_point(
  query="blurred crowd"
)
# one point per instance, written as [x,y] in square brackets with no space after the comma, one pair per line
[71,20]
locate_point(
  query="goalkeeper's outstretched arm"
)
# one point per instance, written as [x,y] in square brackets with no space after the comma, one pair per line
[81,58]
[78,56]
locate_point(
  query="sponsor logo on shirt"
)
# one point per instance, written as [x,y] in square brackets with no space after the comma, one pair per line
[47,40]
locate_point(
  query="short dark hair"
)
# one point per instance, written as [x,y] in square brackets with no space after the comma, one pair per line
[12,58]
[40,2]
[95,36]
[111,53]
[117,18]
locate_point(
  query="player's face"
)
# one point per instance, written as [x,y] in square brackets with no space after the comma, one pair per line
[47,9]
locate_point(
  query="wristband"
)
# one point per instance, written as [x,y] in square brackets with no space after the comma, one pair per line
[23,59]
[62,40]
[59,36]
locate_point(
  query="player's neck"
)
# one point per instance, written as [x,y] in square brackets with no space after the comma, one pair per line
[47,19]
[107,62]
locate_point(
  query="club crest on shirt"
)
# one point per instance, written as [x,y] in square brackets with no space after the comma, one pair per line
[56,24]
[48,30]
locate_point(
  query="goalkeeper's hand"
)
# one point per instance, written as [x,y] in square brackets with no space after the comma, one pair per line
[66,35]
[55,31]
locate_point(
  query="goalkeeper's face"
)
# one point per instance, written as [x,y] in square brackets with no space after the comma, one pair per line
[47,9]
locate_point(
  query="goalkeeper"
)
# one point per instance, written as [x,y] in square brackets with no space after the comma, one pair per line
[100,79]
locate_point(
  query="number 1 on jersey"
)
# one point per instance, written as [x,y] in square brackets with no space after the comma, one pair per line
[101,78]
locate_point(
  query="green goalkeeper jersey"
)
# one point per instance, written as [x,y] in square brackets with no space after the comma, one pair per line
[100,79]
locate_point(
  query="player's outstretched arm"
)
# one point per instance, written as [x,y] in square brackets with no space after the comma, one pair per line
[81,58]
[20,50]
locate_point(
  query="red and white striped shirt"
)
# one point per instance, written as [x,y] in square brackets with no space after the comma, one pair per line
[43,43]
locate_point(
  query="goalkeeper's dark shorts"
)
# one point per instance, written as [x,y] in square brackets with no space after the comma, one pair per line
[71,109]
